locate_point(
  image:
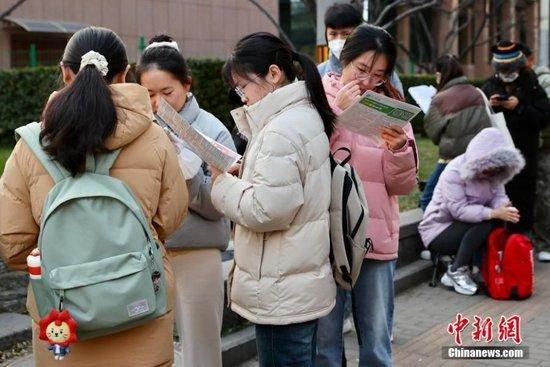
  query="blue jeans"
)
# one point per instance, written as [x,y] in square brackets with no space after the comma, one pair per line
[373,297]
[287,345]
[430,185]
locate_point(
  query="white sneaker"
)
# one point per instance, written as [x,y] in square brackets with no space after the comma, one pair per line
[460,280]
[426,255]
[544,256]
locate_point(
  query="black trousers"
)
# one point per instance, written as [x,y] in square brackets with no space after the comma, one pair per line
[463,240]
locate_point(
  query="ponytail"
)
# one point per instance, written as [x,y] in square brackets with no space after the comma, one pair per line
[82,115]
[316,91]
[78,120]
[255,53]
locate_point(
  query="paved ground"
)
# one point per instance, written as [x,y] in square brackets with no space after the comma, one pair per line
[423,313]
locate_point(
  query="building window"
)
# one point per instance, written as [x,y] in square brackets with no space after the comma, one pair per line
[297,19]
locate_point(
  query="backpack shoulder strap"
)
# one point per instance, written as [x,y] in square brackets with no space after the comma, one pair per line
[30,133]
[348,157]
[104,162]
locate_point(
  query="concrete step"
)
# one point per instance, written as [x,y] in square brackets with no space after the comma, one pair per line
[14,328]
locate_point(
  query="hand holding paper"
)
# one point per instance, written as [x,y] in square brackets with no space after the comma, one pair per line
[373,111]
[210,151]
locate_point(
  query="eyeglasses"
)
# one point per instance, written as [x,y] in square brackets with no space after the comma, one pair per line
[240,90]
[363,74]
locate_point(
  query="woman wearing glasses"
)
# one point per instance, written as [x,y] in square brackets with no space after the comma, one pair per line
[387,165]
[279,199]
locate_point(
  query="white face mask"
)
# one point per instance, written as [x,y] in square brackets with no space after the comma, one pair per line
[508,77]
[335,46]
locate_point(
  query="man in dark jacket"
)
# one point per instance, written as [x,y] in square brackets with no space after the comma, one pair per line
[515,91]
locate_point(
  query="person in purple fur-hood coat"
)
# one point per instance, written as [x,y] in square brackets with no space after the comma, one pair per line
[469,196]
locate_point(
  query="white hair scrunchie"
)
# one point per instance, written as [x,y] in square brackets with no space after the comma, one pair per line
[96,59]
[172,44]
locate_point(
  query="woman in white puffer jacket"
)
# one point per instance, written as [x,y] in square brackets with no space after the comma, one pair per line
[279,198]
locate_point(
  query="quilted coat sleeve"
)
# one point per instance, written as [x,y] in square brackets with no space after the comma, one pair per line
[173,201]
[500,199]
[18,229]
[455,198]
[400,167]
[274,194]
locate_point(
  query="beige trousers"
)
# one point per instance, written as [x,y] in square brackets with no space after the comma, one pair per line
[199,305]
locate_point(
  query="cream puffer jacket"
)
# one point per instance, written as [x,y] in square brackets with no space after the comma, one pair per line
[282,272]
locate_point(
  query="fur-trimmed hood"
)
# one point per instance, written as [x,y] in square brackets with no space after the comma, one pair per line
[489,150]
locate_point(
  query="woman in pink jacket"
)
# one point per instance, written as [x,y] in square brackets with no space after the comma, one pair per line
[387,165]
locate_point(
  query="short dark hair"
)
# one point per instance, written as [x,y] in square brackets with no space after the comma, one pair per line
[340,16]
[82,115]
[164,58]
[449,67]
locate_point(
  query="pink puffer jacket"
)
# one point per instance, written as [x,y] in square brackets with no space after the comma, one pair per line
[385,175]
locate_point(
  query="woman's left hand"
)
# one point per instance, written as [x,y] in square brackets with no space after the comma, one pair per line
[233,170]
[394,136]
[215,173]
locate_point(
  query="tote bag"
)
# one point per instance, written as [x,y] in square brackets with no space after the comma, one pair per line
[497,120]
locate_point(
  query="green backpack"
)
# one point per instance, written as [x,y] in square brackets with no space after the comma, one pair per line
[99,259]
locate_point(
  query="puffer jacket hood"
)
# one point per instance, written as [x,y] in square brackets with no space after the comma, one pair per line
[488,150]
[462,194]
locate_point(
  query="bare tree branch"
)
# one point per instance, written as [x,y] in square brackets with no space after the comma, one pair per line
[473,44]
[274,22]
[455,32]
[10,10]
[411,11]
[429,36]
[495,36]
[385,11]
[407,52]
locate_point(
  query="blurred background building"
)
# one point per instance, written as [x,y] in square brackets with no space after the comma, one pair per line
[36,31]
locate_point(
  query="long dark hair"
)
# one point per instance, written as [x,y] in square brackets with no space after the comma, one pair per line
[255,53]
[449,67]
[82,115]
[367,38]
[163,58]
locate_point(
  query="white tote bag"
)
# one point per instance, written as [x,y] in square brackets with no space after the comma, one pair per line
[497,120]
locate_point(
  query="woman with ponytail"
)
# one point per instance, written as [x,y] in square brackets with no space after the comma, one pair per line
[195,247]
[97,112]
[387,165]
[279,199]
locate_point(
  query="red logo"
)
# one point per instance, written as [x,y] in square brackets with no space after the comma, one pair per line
[509,328]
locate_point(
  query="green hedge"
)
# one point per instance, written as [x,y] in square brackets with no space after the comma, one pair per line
[23,92]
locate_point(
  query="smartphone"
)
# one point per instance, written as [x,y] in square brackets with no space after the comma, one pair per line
[502,97]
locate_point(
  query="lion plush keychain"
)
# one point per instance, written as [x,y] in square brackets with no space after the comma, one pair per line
[58,329]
